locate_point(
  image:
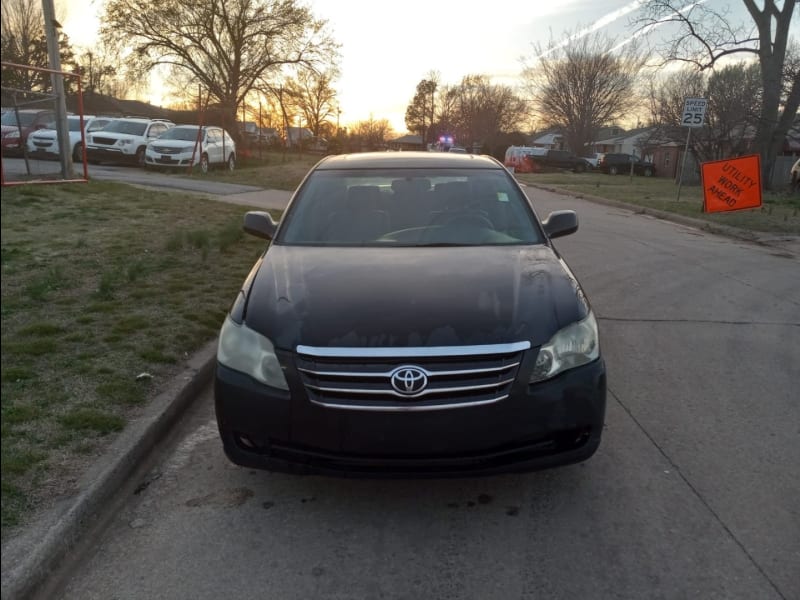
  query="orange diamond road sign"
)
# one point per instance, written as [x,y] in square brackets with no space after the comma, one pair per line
[731,184]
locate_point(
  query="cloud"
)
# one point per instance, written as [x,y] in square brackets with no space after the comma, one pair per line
[652,26]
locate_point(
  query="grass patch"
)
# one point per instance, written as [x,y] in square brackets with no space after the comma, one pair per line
[15,505]
[90,300]
[92,419]
[41,285]
[19,462]
[779,214]
[31,347]
[17,374]
[42,329]
[21,413]
[274,170]
[120,391]
[152,355]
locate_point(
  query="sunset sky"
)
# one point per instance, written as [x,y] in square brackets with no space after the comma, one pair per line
[388,47]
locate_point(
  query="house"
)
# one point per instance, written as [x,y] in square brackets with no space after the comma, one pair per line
[268,135]
[638,142]
[248,129]
[551,140]
[296,136]
[667,158]
[407,142]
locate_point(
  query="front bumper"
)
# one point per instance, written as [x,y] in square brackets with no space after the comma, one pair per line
[552,423]
[170,160]
[100,154]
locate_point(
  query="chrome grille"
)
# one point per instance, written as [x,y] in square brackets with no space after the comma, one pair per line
[167,150]
[361,378]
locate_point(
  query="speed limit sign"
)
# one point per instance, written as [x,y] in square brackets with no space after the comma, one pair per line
[694,112]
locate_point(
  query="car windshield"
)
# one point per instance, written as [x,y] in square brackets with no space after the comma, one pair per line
[129,127]
[186,134]
[410,207]
[25,118]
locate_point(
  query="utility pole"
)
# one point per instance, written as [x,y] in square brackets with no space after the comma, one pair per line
[62,128]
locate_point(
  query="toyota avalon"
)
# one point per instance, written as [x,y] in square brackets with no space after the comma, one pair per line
[410,317]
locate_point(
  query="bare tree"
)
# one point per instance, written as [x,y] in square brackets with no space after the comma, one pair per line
[482,110]
[282,95]
[420,111]
[23,42]
[371,134]
[707,34]
[582,83]
[227,45]
[734,96]
[315,97]
[666,93]
[103,71]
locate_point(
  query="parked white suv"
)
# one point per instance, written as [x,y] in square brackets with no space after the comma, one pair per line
[44,142]
[125,139]
[186,145]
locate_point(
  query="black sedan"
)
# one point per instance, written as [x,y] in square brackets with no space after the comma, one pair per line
[616,164]
[410,317]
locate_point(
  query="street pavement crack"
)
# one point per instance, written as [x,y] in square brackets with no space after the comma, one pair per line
[697,493]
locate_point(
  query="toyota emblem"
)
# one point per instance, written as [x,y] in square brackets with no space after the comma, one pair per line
[409,380]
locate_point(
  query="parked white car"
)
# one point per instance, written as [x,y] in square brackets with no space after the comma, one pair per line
[124,140]
[186,145]
[44,142]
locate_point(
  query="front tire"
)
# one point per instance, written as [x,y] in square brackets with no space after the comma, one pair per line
[77,153]
[648,172]
[140,157]
[204,163]
[231,162]
[613,170]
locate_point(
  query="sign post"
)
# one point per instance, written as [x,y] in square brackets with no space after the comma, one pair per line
[694,115]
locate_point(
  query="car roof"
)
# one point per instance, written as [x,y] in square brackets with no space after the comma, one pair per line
[408,160]
[142,119]
[190,126]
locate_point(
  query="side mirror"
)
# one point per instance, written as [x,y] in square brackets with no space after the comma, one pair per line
[260,224]
[560,222]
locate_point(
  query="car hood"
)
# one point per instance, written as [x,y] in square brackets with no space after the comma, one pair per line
[113,135]
[173,144]
[398,297]
[45,134]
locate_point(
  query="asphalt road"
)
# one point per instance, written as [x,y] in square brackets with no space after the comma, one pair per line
[14,168]
[693,493]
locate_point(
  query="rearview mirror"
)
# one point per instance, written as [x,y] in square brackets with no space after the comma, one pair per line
[560,222]
[260,224]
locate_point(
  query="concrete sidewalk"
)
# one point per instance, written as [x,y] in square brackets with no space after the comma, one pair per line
[30,558]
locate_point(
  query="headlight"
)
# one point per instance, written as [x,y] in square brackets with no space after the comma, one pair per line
[575,345]
[124,142]
[11,134]
[242,349]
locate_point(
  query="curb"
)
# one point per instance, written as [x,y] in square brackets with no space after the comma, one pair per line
[726,230]
[29,559]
